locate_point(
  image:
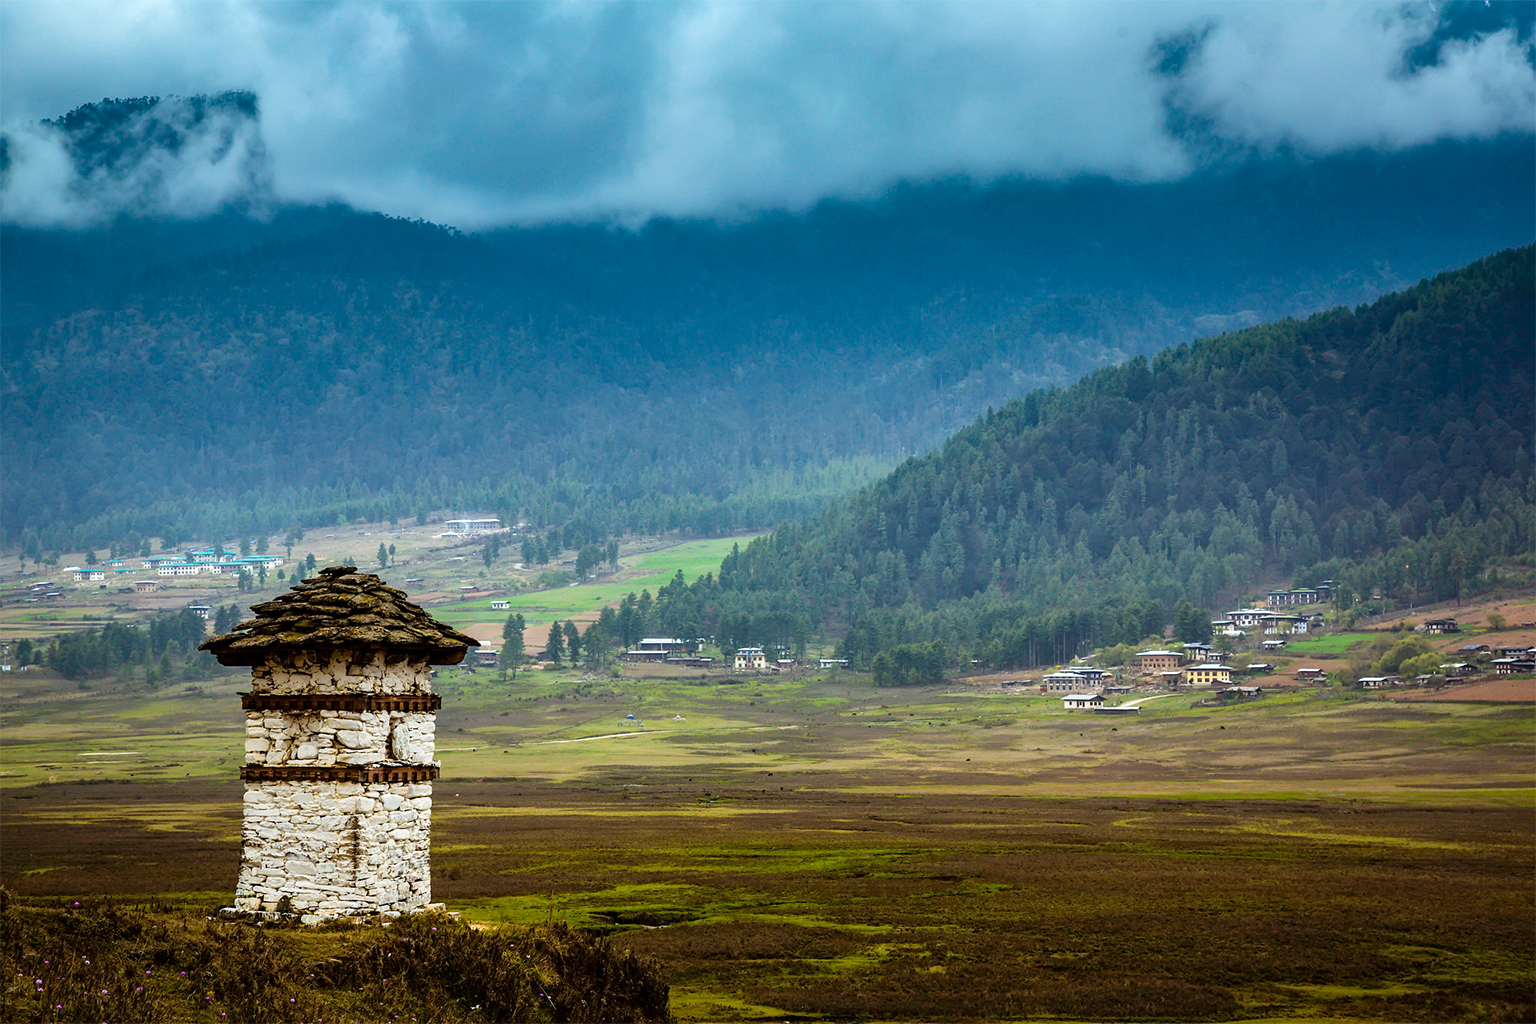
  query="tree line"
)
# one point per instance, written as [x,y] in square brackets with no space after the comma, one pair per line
[155,651]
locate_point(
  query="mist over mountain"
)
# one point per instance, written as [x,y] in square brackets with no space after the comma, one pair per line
[257,365]
[171,157]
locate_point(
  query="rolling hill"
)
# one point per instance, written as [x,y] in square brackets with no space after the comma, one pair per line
[1387,447]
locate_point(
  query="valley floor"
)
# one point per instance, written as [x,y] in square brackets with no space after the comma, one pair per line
[819,849]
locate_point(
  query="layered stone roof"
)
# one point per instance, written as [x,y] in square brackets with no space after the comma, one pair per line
[340,607]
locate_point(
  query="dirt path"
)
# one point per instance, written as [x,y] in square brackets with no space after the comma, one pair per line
[608,736]
[1139,701]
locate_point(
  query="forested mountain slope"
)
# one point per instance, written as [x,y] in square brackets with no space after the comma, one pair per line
[1389,447]
[265,367]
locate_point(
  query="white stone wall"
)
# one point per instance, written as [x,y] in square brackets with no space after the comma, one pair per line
[341,671]
[339,737]
[330,849]
[323,850]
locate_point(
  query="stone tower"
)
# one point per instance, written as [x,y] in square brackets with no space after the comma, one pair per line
[338,748]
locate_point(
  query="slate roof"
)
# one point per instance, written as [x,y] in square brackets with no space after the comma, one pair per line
[340,607]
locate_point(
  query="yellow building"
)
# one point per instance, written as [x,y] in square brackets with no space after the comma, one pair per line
[1207,675]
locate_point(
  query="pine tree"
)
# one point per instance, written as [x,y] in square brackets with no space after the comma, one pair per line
[555,646]
[512,642]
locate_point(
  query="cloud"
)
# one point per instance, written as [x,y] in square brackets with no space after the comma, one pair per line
[483,113]
[175,157]
[1325,79]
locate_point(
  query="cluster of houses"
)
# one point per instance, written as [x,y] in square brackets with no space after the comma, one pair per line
[672,651]
[1196,666]
[212,561]
[1473,659]
[43,590]
[668,650]
[1240,622]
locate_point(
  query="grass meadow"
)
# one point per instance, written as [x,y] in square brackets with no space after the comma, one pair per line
[809,848]
[648,571]
[1333,643]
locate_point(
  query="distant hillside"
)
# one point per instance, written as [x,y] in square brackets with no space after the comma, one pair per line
[235,373]
[1389,447]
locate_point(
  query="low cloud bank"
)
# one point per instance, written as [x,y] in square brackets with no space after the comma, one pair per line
[486,113]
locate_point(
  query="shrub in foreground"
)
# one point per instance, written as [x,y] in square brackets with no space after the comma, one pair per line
[104,961]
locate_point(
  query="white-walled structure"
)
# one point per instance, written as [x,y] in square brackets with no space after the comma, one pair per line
[339,744]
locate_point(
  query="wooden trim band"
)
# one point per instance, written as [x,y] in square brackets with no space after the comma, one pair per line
[338,772]
[407,702]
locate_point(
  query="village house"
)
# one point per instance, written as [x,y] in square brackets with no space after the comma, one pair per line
[1225,627]
[1514,666]
[485,658]
[634,654]
[472,527]
[749,658]
[1283,598]
[1439,626]
[1157,661]
[1282,624]
[1311,675]
[1199,652]
[662,644]
[1082,701]
[1207,675]
[1115,689]
[146,586]
[1248,618]
[1272,645]
[690,660]
[500,606]
[831,662]
[1064,681]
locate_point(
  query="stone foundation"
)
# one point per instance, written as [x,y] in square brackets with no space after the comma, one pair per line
[321,850]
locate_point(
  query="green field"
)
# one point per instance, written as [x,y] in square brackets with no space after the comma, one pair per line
[1336,643]
[649,571]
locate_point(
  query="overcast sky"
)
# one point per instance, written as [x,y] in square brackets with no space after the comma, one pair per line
[485,113]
